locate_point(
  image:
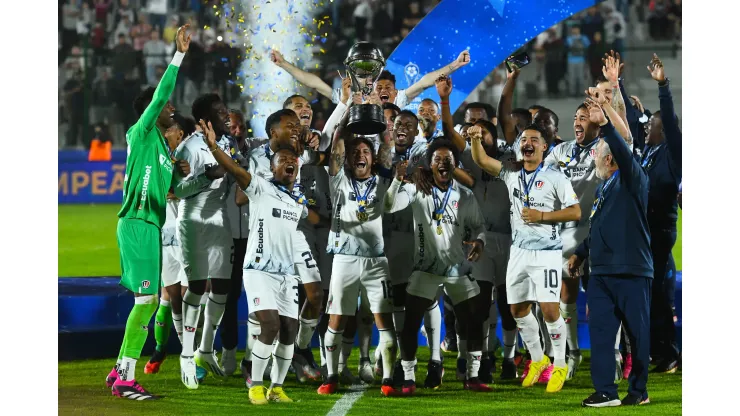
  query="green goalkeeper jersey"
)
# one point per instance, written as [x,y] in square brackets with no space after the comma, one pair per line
[148,163]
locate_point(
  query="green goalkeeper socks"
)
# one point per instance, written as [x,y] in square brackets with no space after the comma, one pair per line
[137,326]
[162,324]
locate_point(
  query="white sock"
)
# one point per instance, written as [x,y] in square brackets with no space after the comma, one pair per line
[177,322]
[509,343]
[569,312]
[260,357]
[214,312]
[544,333]
[557,336]
[364,333]
[347,344]
[408,370]
[473,364]
[385,346]
[332,346]
[619,339]
[204,298]
[378,355]
[191,314]
[433,326]
[127,369]
[281,363]
[253,331]
[305,332]
[530,332]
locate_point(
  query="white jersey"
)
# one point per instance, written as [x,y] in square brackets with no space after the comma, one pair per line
[491,193]
[352,232]
[273,221]
[578,164]
[169,229]
[402,100]
[549,191]
[194,203]
[441,254]
[403,220]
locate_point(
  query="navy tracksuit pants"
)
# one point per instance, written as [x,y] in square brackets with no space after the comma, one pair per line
[613,300]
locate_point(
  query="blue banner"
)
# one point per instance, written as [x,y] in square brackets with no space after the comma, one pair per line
[91,182]
[490,29]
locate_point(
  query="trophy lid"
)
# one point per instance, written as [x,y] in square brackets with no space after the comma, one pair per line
[364,51]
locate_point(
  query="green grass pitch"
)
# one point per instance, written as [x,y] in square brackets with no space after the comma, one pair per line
[82,391]
[87,241]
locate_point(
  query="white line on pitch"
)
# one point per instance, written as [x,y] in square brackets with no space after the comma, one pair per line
[343,405]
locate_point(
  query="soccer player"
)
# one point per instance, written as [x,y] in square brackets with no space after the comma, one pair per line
[449,234]
[205,236]
[314,186]
[541,199]
[492,197]
[170,304]
[149,171]
[428,113]
[356,240]
[238,213]
[385,87]
[269,267]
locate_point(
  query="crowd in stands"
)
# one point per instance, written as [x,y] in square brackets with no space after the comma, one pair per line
[127,43]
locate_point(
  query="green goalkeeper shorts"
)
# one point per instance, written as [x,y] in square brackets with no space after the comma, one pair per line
[140,245]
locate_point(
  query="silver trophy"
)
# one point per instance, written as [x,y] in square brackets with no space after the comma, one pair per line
[364,64]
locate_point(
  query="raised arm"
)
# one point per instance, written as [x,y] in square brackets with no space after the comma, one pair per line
[336,160]
[629,168]
[597,97]
[306,78]
[610,70]
[242,177]
[394,200]
[508,125]
[166,85]
[487,163]
[240,197]
[463,177]
[444,89]
[336,116]
[428,80]
[673,136]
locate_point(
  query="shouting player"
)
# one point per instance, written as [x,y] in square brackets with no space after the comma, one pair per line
[541,199]
[356,240]
[149,172]
[269,269]
[449,232]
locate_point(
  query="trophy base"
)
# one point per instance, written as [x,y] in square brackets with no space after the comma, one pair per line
[366,119]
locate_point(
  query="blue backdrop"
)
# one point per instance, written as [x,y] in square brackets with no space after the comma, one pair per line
[490,29]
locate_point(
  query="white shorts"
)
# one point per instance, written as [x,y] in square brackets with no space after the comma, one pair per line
[206,248]
[353,276]
[458,288]
[323,258]
[533,276]
[172,270]
[305,264]
[571,238]
[400,248]
[271,291]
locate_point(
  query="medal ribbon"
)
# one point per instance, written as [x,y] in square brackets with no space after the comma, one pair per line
[601,194]
[528,186]
[296,195]
[648,154]
[362,200]
[439,209]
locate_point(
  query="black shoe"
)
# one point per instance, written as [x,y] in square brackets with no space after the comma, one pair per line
[508,370]
[600,400]
[492,355]
[667,366]
[449,344]
[435,372]
[131,390]
[308,355]
[246,367]
[485,371]
[635,400]
[398,376]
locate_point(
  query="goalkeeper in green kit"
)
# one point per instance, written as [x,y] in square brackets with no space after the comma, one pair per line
[149,169]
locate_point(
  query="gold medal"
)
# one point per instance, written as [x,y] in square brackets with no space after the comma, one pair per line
[439,230]
[362,216]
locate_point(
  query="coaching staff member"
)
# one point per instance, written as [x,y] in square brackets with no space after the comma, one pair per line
[621,267]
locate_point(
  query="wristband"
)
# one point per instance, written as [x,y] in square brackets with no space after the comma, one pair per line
[214,149]
[444,102]
[177,59]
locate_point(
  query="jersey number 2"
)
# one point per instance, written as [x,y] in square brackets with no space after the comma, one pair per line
[308,259]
